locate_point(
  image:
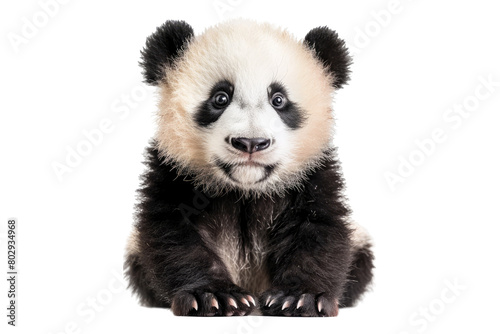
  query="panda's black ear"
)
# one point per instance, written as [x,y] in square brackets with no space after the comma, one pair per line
[162,48]
[332,52]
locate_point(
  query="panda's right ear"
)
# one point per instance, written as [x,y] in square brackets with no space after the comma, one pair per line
[162,48]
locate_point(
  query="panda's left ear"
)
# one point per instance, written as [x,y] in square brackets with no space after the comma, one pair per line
[162,48]
[332,52]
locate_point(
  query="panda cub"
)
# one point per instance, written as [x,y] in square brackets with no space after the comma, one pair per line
[241,208]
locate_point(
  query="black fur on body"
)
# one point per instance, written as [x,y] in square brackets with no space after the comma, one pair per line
[303,241]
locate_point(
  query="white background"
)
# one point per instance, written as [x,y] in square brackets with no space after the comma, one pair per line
[436,227]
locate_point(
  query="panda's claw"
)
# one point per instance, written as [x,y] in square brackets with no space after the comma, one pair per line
[208,303]
[299,304]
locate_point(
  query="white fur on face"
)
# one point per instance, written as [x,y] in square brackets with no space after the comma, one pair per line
[251,56]
[249,118]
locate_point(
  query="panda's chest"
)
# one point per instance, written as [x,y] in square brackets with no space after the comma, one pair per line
[238,232]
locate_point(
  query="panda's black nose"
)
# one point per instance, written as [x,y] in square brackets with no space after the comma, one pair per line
[250,145]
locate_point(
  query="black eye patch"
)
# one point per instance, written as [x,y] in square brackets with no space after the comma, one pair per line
[212,108]
[290,112]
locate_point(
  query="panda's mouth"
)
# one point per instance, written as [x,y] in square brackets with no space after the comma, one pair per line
[247,171]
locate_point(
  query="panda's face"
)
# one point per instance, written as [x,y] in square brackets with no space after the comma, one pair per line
[246,107]
[248,132]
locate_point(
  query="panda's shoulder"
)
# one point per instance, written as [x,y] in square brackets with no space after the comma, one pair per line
[161,180]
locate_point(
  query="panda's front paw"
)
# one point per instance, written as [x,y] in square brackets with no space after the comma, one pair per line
[297,304]
[207,302]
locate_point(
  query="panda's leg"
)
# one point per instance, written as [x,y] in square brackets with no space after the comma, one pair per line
[308,263]
[361,272]
[359,278]
[186,277]
[139,283]
[136,274]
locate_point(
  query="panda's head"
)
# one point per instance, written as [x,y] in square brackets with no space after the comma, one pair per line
[244,106]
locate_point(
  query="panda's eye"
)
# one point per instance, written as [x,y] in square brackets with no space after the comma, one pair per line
[278,100]
[220,100]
